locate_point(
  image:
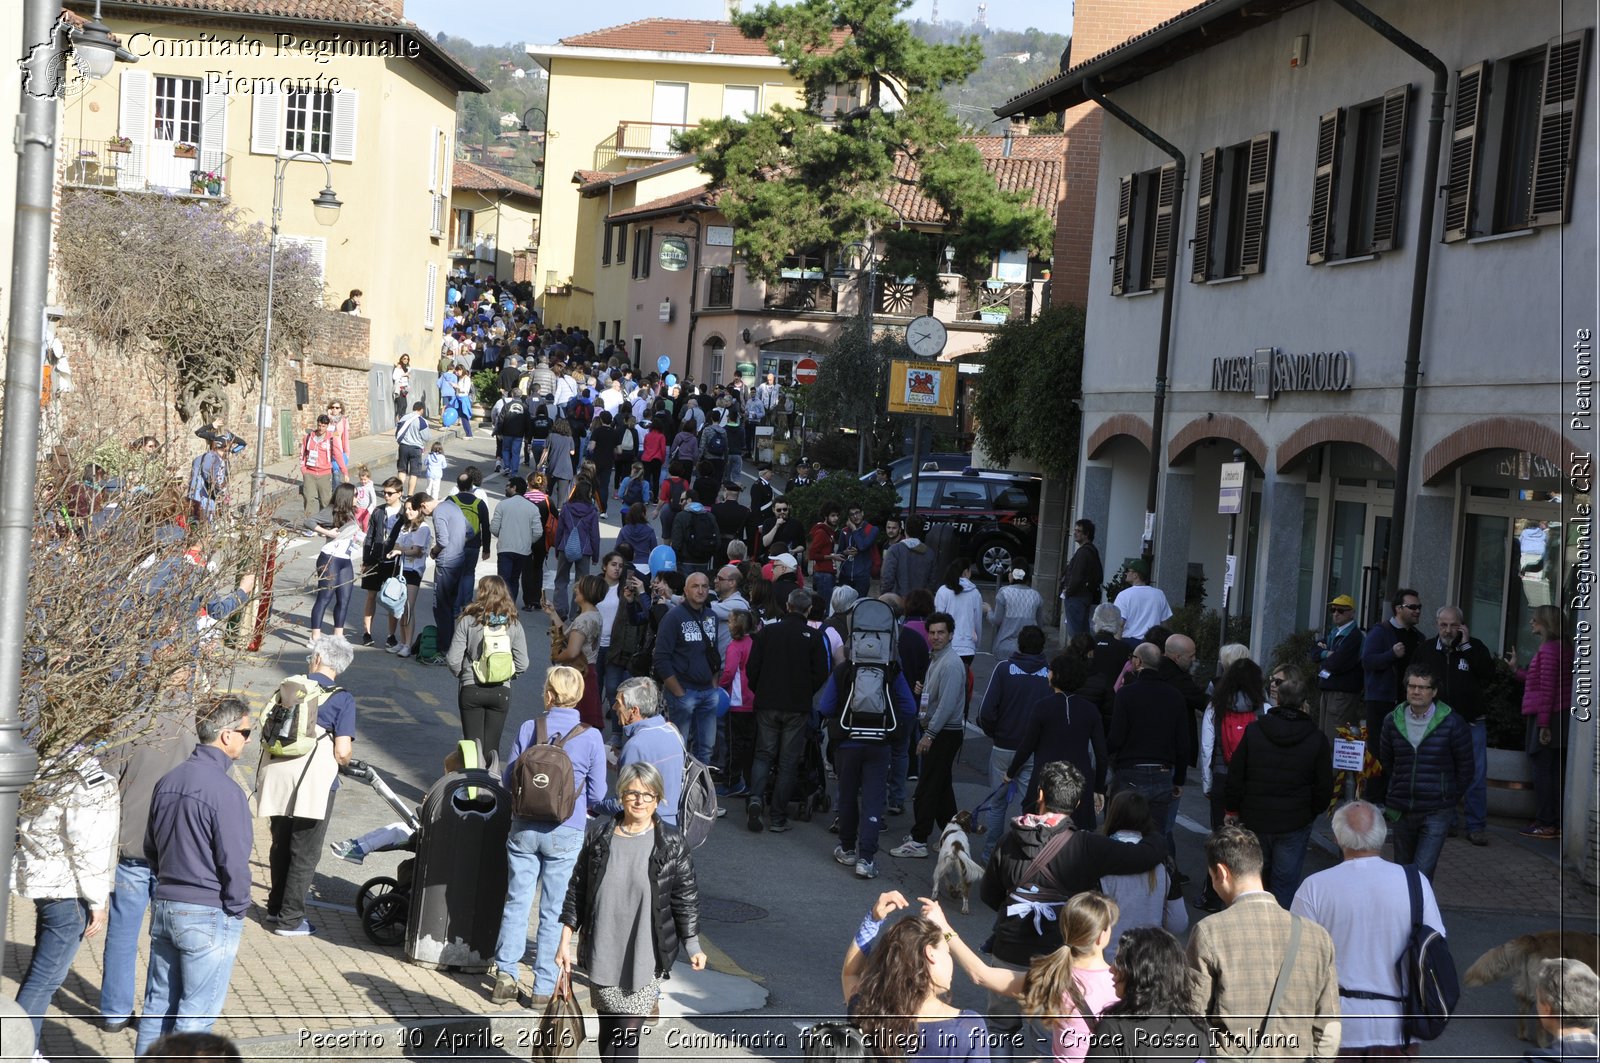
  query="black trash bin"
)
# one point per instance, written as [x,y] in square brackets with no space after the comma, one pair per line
[461,875]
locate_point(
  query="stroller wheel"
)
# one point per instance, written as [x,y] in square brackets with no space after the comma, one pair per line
[384,920]
[372,889]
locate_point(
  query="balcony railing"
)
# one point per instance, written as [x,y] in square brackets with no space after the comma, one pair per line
[481,248]
[647,140]
[813,295]
[719,290]
[161,167]
[995,302]
[900,298]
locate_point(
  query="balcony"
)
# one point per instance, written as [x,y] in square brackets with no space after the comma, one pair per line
[816,296]
[638,140]
[899,298]
[995,302]
[479,248]
[161,167]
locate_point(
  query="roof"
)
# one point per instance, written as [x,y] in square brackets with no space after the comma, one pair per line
[1184,34]
[593,182]
[377,15]
[677,35]
[1034,166]
[470,175]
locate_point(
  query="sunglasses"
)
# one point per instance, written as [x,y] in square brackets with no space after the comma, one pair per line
[391,494]
[242,731]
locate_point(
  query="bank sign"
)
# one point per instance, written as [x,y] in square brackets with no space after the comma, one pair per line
[1269,371]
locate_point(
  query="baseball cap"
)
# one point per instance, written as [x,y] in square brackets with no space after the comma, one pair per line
[786,560]
[1344,601]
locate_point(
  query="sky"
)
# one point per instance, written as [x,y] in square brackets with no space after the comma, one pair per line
[546,21]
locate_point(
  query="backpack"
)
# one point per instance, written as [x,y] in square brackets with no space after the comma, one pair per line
[677,491]
[204,478]
[513,408]
[289,722]
[716,442]
[633,493]
[470,512]
[495,664]
[580,413]
[393,595]
[542,423]
[1230,731]
[572,549]
[697,803]
[426,649]
[543,786]
[704,535]
[1427,974]
[872,650]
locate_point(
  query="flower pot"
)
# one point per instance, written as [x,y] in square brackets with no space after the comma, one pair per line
[120,149]
[214,188]
[181,152]
[1510,774]
[197,188]
[993,317]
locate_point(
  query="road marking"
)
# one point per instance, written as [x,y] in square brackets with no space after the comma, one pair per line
[427,698]
[447,719]
[1190,825]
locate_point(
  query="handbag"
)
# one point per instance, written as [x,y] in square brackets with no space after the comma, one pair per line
[560,1029]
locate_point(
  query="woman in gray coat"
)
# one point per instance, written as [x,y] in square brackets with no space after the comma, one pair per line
[485,700]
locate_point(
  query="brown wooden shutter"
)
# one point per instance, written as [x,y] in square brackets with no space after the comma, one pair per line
[649,251]
[1257,199]
[605,246]
[1330,131]
[1203,216]
[1161,250]
[1391,169]
[1472,89]
[1119,255]
[622,243]
[1565,62]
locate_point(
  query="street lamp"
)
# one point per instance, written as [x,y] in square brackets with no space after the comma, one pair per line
[325,208]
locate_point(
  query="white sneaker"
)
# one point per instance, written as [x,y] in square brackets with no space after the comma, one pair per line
[403,651]
[866,869]
[847,857]
[910,850]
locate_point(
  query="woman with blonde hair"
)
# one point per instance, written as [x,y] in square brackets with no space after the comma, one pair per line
[543,854]
[484,704]
[1546,689]
[1065,990]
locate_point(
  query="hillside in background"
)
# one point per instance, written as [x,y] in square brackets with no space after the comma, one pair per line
[1014,60]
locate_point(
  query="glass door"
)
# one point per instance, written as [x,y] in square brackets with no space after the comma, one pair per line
[1358,554]
[1485,565]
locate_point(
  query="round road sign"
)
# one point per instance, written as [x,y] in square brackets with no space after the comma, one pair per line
[805,371]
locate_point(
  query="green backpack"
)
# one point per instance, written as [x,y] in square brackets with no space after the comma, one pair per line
[495,664]
[426,650]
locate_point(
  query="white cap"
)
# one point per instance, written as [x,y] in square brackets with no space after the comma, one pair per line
[786,560]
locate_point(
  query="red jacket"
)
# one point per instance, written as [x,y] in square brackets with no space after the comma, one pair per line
[317,457]
[820,548]
[1547,681]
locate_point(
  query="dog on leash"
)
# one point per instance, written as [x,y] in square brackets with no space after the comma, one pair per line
[1520,958]
[956,870]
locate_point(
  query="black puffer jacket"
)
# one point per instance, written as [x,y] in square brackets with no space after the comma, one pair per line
[1281,776]
[674,897]
[1430,776]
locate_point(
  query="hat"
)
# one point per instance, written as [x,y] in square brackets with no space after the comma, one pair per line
[1139,565]
[1344,601]
[786,560]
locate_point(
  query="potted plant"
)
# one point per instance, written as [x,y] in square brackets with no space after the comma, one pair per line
[184,150]
[120,145]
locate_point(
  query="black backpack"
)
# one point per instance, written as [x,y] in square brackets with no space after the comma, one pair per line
[704,536]
[543,786]
[1427,974]
[541,422]
[677,491]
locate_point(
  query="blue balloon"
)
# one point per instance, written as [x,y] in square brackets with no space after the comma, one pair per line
[724,702]
[663,559]
[671,379]
[663,364]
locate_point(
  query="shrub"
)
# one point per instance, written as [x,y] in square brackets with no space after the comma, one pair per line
[486,385]
[1501,699]
[835,452]
[1204,626]
[843,489]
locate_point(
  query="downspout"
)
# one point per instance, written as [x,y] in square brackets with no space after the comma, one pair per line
[1419,278]
[694,285]
[1091,89]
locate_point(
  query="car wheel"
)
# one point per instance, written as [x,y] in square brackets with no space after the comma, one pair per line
[995,559]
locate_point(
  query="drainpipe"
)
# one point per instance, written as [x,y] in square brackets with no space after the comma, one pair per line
[1091,89]
[694,285]
[1419,278]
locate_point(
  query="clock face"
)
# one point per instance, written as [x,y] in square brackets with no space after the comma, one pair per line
[926,336]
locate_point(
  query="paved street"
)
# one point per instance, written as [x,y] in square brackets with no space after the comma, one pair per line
[777,912]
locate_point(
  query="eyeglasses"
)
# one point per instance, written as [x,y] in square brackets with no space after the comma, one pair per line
[638,796]
[1413,606]
[391,494]
[1274,681]
[1419,687]
[339,408]
[244,732]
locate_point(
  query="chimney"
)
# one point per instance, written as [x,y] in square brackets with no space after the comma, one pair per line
[1019,128]
[730,10]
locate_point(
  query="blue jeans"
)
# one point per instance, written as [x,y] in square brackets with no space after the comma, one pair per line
[542,855]
[822,585]
[1154,783]
[446,584]
[1476,799]
[335,579]
[1075,613]
[998,814]
[58,931]
[192,948]
[134,889]
[1285,860]
[566,573]
[694,714]
[464,405]
[1419,837]
[862,768]
[735,468]
[510,455]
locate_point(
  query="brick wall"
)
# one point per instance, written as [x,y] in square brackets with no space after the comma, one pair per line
[338,370]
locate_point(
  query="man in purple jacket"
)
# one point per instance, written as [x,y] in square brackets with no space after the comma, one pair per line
[198,846]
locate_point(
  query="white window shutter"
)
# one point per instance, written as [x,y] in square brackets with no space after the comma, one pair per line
[433,162]
[344,125]
[316,248]
[133,106]
[266,120]
[430,295]
[213,127]
[447,176]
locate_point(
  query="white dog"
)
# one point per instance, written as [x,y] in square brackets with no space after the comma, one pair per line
[956,870]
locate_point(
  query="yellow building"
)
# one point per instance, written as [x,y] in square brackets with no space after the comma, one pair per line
[492,217]
[616,97]
[222,88]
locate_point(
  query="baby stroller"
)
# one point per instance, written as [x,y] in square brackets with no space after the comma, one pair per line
[382,902]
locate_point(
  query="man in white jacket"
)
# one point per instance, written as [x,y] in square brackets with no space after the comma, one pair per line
[65,863]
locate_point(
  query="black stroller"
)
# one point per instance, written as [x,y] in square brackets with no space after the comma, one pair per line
[383,902]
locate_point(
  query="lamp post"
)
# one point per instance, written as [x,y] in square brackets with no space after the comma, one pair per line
[325,207]
[52,40]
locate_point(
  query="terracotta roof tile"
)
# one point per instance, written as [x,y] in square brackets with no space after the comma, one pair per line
[677,199]
[364,12]
[470,175]
[1034,166]
[676,35]
[586,178]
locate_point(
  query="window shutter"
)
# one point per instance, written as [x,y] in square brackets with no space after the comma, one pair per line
[1119,256]
[344,125]
[433,162]
[315,247]
[1565,61]
[1391,169]
[1319,243]
[430,295]
[1166,199]
[1472,89]
[605,253]
[1201,270]
[622,243]
[213,128]
[1257,201]
[133,122]
[647,251]
[266,119]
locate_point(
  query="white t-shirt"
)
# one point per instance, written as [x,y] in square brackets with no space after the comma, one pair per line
[610,399]
[608,613]
[1364,906]
[1142,608]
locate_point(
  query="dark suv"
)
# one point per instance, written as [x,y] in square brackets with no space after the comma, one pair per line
[995,514]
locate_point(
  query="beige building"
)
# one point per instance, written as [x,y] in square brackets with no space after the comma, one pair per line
[616,97]
[493,218]
[223,88]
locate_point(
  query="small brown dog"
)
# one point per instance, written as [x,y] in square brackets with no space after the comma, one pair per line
[956,870]
[1520,957]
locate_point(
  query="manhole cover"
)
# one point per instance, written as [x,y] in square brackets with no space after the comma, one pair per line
[727,911]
